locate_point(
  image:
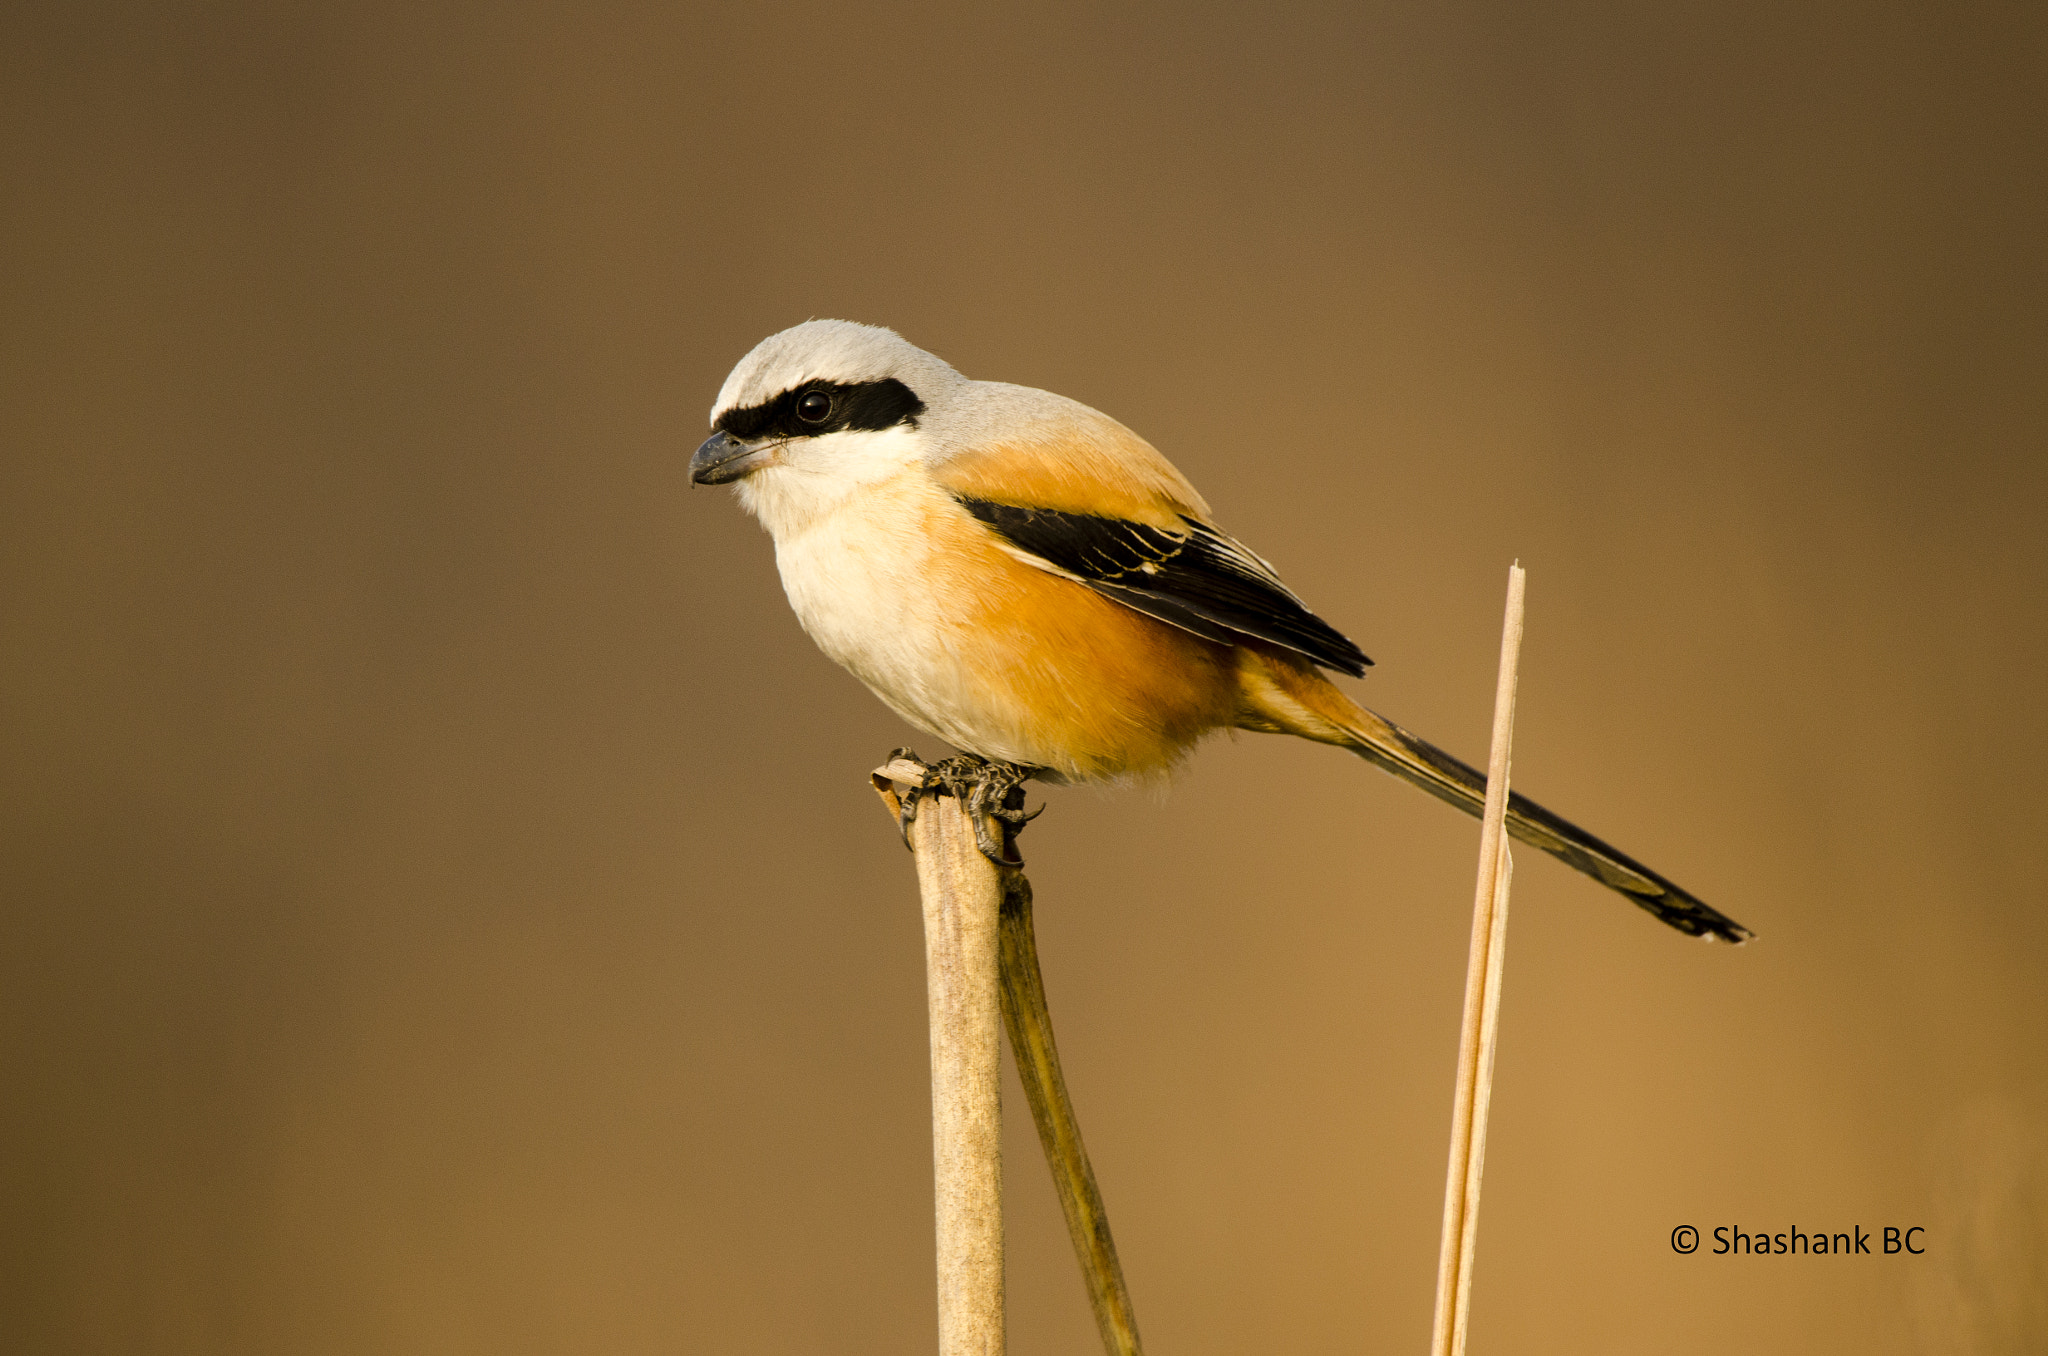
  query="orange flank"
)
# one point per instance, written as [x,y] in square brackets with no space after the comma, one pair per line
[1093,688]
[1064,669]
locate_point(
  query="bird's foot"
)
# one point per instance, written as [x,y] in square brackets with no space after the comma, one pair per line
[906,804]
[990,790]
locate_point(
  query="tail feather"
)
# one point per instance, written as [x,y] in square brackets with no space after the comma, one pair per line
[1420,763]
[1292,698]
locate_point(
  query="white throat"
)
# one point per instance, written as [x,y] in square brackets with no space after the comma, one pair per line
[810,478]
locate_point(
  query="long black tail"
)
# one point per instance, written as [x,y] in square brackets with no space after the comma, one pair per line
[1417,761]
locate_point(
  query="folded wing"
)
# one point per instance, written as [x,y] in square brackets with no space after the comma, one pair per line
[1189,575]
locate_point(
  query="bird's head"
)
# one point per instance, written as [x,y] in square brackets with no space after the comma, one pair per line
[815,413]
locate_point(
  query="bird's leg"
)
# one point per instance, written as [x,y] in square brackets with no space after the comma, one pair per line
[989,790]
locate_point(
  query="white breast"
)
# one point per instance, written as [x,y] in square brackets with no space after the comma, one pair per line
[865,578]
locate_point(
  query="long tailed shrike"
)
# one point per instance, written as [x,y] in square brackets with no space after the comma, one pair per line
[1034,583]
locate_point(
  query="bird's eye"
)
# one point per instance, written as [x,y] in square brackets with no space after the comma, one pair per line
[813,406]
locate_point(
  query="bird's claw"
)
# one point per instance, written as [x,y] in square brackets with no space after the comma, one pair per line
[988,789]
[906,805]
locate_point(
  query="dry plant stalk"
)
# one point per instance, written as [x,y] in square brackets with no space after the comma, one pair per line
[1038,1064]
[1025,1013]
[963,894]
[1474,1093]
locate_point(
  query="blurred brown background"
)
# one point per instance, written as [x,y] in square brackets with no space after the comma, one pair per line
[443,909]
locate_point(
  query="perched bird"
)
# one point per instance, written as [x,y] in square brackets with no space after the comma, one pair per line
[1034,583]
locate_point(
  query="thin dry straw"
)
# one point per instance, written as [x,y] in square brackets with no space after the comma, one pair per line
[1482,1009]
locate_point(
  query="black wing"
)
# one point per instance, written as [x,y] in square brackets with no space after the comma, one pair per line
[1197,578]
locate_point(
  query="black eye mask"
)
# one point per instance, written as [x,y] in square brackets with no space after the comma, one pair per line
[848,405]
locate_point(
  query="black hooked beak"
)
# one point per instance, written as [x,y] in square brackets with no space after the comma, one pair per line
[724,458]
